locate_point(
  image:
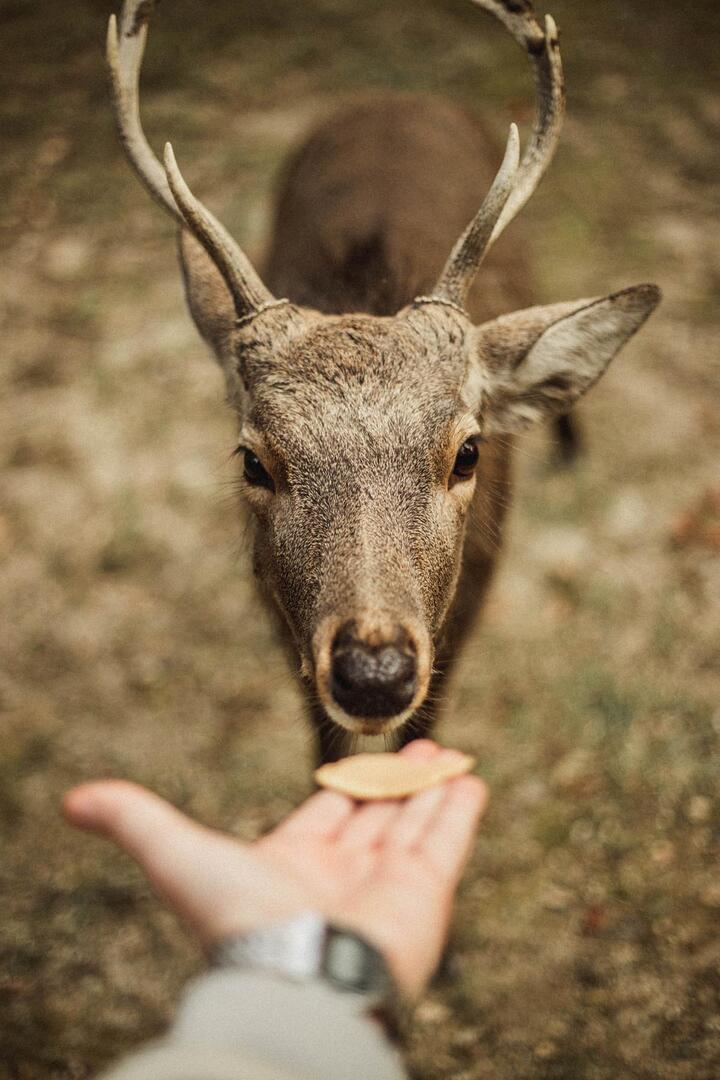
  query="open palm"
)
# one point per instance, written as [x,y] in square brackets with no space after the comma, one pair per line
[386,869]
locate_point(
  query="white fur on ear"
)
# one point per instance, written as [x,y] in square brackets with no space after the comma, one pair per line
[526,381]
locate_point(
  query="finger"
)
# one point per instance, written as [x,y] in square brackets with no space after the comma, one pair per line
[419,811]
[130,815]
[421,749]
[190,866]
[369,824]
[376,822]
[412,822]
[322,816]
[449,837]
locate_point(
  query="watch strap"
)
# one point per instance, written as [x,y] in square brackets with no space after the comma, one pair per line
[307,946]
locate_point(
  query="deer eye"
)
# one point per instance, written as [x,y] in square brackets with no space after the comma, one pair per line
[466,460]
[255,472]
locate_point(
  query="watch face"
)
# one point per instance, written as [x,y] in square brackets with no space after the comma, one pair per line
[352,964]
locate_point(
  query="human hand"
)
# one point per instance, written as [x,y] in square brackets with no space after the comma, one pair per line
[387,870]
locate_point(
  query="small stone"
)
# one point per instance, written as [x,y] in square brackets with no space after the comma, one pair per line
[432,1012]
[626,954]
[67,258]
[563,551]
[545,1049]
[663,852]
[555,898]
[582,831]
[628,515]
[465,1037]
[710,895]
[698,808]
[532,791]
[573,768]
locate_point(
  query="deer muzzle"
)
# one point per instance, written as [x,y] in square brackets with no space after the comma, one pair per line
[371,674]
[372,681]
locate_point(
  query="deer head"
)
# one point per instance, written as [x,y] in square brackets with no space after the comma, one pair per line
[362,438]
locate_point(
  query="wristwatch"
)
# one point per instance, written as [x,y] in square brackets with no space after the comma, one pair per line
[307,947]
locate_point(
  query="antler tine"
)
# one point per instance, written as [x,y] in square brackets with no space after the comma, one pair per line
[543,47]
[249,292]
[465,258]
[124,57]
[513,185]
[125,50]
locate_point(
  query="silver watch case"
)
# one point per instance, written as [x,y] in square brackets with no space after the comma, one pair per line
[308,947]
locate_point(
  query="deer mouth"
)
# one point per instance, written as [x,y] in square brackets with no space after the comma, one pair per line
[357,726]
[371,675]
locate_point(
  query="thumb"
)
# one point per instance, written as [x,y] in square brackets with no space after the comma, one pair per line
[142,824]
[190,866]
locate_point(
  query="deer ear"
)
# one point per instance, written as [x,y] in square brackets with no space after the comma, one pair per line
[207,295]
[534,364]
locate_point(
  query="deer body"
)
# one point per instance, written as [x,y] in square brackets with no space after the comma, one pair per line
[376,403]
[360,229]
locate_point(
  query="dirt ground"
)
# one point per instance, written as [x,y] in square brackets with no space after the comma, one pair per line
[586,942]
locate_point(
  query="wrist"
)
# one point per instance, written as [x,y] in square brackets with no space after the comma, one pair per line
[309,948]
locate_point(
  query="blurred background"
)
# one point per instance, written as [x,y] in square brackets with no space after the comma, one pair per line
[586,938]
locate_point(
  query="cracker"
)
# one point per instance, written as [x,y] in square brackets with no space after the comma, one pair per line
[390,776]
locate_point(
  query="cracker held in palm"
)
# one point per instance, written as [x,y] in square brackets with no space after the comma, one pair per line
[390,776]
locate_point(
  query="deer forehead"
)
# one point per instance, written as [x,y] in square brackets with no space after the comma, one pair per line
[356,382]
[330,352]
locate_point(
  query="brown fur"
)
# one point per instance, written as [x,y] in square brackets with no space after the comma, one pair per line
[356,400]
[370,205]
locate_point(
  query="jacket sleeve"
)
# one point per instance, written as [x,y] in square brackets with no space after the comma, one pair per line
[257,1026]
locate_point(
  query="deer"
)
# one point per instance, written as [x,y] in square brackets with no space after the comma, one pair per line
[377,397]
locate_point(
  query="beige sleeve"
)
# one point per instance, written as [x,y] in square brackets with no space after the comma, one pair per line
[255,1026]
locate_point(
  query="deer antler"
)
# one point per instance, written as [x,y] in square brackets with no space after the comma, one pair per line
[245,285]
[125,48]
[507,196]
[469,251]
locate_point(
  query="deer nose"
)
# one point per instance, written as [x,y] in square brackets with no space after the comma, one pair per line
[377,680]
